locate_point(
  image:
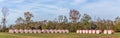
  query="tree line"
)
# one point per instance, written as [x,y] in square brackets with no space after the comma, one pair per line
[72,23]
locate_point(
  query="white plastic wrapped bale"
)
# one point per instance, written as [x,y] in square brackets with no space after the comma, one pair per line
[86,31]
[21,31]
[56,31]
[30,31]
[90,31]
[43,31]
[60,31]
[66,31]
[39,31]
[77,31]
[11,31]
[113,31]
[93,31]
[51,31]
[34,31]
[105,31]
[110,31]
[63,31]
[47,31]
[25,31]
[98,31]
[16,31]
[80,31]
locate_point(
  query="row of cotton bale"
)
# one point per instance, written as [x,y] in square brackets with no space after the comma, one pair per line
[89,31]
[37,31]
[95,31]
[108,32]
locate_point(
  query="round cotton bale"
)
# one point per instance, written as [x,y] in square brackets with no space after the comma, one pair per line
[51,31]
[43,31]
[110,31]
[105,31]
[47,31]
[84,31]
[93,31]
[66,31]
[80,31]
[30,31]
[63,31]
[90,31]
[11,31]
[21,30]
[16,31]
[60,31]
[34,31]
[39,31]
[98,31]
[56,31]
[25,31]
[77,31]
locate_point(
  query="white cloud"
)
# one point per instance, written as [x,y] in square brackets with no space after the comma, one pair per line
[15,1]
[107,9]
[101,8]
[77,2]
[53,9]
[39,10]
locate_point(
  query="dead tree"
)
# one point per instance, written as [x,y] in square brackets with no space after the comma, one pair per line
[74,15]
[5,14]
[62,18]
[28,16]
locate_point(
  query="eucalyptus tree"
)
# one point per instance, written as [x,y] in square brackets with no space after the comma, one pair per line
[85,21]
[65,20]
[74,15]
[117,24]
[5,14]
[99,23]
[62,18]
[28,16]
[20,20]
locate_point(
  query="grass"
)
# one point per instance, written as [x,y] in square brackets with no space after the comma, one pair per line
[68,35]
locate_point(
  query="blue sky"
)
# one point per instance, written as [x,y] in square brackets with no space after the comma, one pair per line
[50,9]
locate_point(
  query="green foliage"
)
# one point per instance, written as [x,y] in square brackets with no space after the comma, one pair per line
[63,23]
[44,27]
[86,21]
